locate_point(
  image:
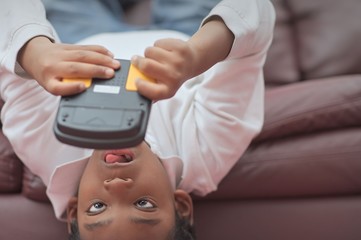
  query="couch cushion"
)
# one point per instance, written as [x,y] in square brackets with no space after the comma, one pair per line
[314,39]
[281,66]
[310,144]
[307,165]
[10,168]
[311,106]
[23,219]
[33,187]
[328,34]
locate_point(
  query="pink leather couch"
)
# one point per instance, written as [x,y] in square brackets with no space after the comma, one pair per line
[301,177]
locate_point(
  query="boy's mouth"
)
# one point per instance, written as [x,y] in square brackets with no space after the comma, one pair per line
[118,156]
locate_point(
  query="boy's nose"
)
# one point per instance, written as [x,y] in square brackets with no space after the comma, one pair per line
[118,184]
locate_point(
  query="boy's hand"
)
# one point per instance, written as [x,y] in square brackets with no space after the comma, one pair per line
[170,62]
[48,63]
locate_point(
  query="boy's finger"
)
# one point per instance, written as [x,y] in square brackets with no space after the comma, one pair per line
[169,43]
[85,70]
[94,48]
[158,54]
[59,88]
[91,57]
[149,67]
[153,91]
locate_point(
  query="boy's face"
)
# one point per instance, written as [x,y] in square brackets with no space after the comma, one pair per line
[125,194]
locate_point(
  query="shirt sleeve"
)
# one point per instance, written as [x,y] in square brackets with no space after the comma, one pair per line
[29,130]
[213,118]
[20,20]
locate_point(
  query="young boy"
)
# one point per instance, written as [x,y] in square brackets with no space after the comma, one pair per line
[212,84]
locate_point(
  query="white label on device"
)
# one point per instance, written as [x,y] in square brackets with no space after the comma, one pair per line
[106,89]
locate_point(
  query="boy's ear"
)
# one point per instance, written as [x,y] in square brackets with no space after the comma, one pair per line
[184,205]
[71,212]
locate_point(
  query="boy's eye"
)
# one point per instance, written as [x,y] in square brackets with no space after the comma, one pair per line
[96,208]
[145,204]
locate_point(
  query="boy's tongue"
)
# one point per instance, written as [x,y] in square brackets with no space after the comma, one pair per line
[111,158]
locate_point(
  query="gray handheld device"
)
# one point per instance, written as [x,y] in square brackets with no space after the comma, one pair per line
[110,114]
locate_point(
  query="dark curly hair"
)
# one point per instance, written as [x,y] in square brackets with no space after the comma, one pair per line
[183,230]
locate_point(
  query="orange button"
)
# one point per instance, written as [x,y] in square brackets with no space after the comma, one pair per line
[133,74]
[86,81]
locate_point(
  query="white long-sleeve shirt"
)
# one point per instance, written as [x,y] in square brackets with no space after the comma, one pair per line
[206,126]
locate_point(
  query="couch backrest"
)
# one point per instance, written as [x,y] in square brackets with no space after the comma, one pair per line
[314,39]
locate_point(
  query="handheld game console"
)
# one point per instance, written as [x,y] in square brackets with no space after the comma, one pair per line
[110,114]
